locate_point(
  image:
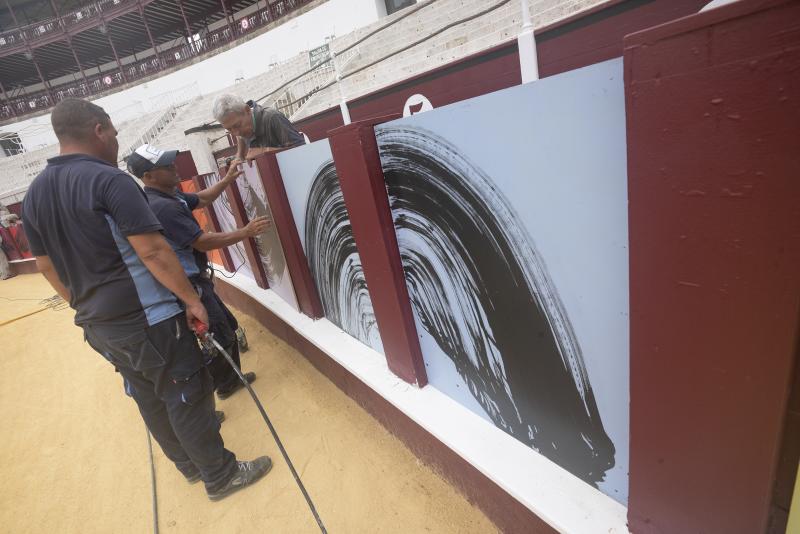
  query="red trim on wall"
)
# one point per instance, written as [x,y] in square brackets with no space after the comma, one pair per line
[714,253]
[15,208]
[355,153]
[304,288]
[250,248]
[510,516]
[184,165]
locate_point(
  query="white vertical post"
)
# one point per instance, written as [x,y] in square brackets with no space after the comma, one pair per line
[202,152]
[342,100]
[526,42]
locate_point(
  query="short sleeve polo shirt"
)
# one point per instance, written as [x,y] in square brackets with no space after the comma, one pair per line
[174,212]
[271,129]
[79,211]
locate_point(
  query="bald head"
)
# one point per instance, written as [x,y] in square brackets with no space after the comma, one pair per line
[75,120]
[83,127]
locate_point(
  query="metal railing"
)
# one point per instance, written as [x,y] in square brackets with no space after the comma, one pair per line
[103,82]
[162,122]
[20,170]
[310,84]
[32,32]
[152,133]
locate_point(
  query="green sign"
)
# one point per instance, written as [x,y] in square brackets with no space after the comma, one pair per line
[318,55]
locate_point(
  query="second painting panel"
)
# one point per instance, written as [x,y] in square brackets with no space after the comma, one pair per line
[315,197]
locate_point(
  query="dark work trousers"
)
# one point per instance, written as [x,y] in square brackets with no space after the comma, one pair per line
[164,373]
[223,325]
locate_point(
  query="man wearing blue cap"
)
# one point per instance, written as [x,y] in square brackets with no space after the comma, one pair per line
[173,208]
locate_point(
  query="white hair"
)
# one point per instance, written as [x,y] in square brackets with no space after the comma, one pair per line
[226,104]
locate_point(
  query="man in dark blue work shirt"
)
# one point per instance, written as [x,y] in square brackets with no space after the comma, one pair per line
[173,209]
[100,247]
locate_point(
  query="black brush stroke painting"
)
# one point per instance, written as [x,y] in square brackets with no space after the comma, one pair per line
[483,293]
[334,260]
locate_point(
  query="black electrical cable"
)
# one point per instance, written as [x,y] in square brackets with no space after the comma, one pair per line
[153,479]
[223,272]
[210,337]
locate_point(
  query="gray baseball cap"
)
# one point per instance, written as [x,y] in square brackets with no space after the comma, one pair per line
[148,157]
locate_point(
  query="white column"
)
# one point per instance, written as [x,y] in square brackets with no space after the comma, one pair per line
[526,42]
[342,100]
[200,147]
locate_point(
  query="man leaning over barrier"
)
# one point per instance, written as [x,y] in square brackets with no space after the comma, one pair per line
[257,129]
[99,245]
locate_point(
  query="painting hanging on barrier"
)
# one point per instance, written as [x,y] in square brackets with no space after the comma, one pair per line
[268,243]
[224,212]
[312,187]
[510,211]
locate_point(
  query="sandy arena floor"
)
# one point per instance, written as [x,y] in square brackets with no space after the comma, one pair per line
[74,456]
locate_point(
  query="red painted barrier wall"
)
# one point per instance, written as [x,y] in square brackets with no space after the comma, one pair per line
[713,108]
[358,165]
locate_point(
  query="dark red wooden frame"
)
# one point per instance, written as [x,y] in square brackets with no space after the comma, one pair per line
[227,261]
[355,153]
[250,248]
[304,288]
[714,252]
[185,166]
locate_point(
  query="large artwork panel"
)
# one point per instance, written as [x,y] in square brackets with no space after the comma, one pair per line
[511,217]
[315,197]
[224,211]
[268,242]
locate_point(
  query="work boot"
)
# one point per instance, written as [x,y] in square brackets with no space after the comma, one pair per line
[227,392]
[241,339]
[246,473]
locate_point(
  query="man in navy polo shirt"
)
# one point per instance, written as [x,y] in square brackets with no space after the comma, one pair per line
[173,208]
[99,245]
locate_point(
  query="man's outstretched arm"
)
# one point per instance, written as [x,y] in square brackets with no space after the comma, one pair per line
[213,241]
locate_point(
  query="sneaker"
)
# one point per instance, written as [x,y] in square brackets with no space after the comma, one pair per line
[192,479]
[225,393]
[220,416]
[246,473]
